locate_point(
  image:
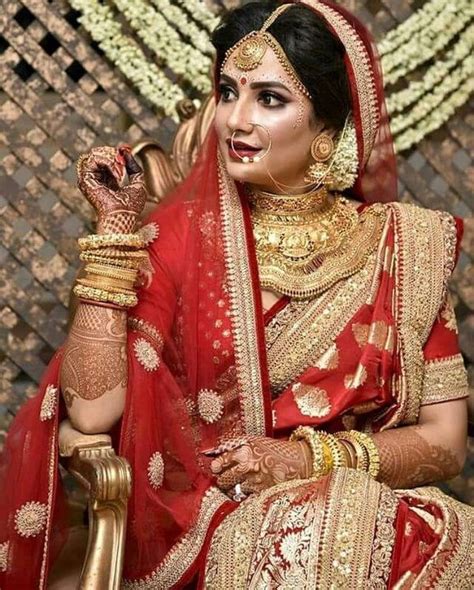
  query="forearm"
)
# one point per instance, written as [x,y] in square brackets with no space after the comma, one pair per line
[411,456]
[94,368]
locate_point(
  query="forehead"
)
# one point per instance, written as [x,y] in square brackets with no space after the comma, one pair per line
[270,69]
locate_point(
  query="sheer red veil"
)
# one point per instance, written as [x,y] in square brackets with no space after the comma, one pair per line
[196,358]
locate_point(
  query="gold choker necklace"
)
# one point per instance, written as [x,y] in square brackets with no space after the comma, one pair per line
[295,234]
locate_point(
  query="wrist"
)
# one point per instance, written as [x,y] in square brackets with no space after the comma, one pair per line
[123,222]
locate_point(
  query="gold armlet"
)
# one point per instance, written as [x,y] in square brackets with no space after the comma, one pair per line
[103,240]
[320,453]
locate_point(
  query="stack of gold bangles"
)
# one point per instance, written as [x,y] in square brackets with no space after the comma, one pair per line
[112,261]
[343,449]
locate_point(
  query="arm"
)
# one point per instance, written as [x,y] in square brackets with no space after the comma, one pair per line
[94,368]
[433,450]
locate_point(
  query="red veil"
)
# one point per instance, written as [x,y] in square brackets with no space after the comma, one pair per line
[197,364]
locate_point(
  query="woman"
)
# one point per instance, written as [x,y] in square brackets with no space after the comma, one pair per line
[288,374]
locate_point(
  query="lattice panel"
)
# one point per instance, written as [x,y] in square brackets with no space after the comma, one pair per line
[59,97]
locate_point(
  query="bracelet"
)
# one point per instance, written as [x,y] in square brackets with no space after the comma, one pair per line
[103,240]
[118,263]
[108,284]
[350,452]
[112,272]
[321,463]
[368,458]
[336,451]
[118,253]
[100,304]
[90,293]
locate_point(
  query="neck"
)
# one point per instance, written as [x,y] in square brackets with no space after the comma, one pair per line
[263,202]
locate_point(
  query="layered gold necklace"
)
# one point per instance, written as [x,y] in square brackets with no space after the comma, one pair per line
[296,236]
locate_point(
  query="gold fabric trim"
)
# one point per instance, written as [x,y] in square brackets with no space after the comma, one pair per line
[4,556]
[210,405]
[362,68]
[140,325]
[156,470]
[242,307]
[49,403]
[444,379]
[30,519]
[384,540]
[183,554]
[424,263]
[146,355]
[311,401]
[448,315]
[452,565]
[53,455]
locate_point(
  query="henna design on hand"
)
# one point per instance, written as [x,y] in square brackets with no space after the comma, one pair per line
[100,176]
[408,460]
[261,463]
[95,358]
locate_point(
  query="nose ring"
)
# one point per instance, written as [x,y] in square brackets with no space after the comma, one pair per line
[247,159]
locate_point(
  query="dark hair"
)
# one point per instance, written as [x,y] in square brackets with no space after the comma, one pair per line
[315,53]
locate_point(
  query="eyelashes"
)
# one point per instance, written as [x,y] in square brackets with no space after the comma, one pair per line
[264,94]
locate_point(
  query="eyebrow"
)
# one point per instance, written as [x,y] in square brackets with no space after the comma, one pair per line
[256,85]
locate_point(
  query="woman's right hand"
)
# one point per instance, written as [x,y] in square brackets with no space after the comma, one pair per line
[100,177]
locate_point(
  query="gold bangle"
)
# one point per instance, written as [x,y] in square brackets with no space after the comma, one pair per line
[100,295]
[112,272]
[362,457]
[116,262]
[103,240]
[117,253]
[372,451]
[107,283]
[337,453]
[105,286]
[350,452]
[321,465]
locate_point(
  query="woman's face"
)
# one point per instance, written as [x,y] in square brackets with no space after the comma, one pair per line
[268,96]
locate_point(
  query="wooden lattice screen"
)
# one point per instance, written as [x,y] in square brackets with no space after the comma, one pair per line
[59,97]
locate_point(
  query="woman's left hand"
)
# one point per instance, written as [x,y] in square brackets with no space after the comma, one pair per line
[260,463]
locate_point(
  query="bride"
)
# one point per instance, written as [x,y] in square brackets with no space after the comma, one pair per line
[275,351]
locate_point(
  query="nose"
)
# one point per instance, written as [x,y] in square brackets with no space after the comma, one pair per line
[239,118]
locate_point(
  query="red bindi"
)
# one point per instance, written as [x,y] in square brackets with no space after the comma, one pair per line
[243,80]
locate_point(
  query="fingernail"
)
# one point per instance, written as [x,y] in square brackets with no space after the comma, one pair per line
[131,164]
[215,467]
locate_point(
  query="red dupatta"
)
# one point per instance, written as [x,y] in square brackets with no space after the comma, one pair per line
[197,363]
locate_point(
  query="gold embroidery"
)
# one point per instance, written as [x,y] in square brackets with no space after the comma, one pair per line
[48,405]
[448,315]
[149,233]
[211,405]
[282,319]
[384,540]
[156,469]
[424,255]
[311,401]
[445,379]
[242,305]
[329,360]
[378,334]
[149,330]
[3,556]
[30,519]
[185,551]
[363,75]
[357,379]
[146,354]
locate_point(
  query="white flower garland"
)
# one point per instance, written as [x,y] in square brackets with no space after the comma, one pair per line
[432,101]
[99,21]
[437,118]
[435,75]
[428,43]
[200,13]
[175,15]
[418,21]
[166,43]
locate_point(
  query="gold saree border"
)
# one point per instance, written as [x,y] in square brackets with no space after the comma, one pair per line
[452,565]
[444,379]
[363,74]
[425,241]
[384,540]
[53,451]
[242,305]
[180,558]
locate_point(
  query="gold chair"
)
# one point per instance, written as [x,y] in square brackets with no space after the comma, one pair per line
[91,459]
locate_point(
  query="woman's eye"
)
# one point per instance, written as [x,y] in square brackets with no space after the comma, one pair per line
[270,99]
[225,92]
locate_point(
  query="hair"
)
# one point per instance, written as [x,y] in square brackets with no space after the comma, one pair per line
[314,52]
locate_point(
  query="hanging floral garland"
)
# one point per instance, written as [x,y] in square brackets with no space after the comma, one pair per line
[200,13]
[99,21]
[154,30]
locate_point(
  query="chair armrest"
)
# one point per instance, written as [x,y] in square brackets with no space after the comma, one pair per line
[93,462]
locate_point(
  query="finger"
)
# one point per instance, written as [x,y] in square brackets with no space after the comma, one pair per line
[222,462]
[133,168]
[229,478]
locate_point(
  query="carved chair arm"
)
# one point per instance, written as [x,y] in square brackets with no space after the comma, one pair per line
[93,462]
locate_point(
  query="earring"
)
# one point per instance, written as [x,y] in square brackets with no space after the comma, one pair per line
[322,149]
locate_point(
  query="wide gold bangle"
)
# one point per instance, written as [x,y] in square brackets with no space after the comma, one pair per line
[337,453]
[350,452]
[107,283]
[92,294]
[103,240]
[371,448]
[104,270]
[118,253]
[321,464]
[116,262]
[362,456]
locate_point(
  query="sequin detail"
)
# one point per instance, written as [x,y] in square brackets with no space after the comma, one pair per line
[48,405]
[211,405]
[156,468]
[146,354]
[30,519]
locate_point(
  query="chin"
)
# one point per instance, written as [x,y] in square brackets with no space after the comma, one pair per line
[244,173]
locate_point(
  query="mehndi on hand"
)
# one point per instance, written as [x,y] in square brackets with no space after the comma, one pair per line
[260,462]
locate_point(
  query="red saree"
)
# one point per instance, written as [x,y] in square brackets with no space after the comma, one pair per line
[365,353]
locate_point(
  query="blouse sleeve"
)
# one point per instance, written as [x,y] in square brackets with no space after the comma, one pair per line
[445,376]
